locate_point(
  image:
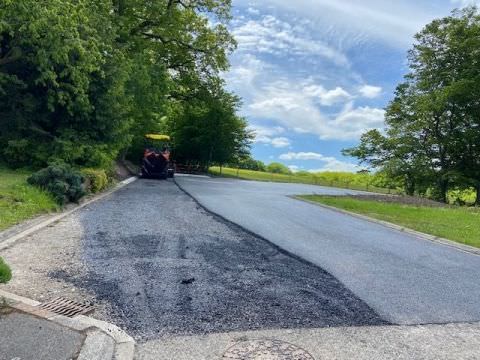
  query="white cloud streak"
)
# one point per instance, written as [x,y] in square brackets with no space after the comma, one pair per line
[330,163]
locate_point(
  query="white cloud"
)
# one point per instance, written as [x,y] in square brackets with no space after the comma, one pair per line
[294,168]
[328,97]
[355,121]
[330,163]
[280,142]
[275,37]
[463,3]
[295,108]
[370,91]
[392,22]
[253,11]
[302,156]
[269,136]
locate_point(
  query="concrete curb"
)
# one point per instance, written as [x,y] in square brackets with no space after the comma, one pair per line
[428,237]
[104,341]
[53,219]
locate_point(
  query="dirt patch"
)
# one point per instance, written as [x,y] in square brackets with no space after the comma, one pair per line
[406,200]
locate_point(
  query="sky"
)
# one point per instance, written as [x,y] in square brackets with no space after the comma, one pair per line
[316,74]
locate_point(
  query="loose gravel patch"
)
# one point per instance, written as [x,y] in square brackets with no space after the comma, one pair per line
[399,199]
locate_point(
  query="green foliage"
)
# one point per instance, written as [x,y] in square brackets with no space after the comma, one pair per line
[5,272]
[20,201]
[81,81]
[458,224]
[277,168]
[96,180]
[248,163]
[433,128]
[208,130]
[359,181]
[63,182]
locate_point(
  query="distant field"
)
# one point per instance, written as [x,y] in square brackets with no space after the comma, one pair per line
[459,224]
[333,179]
[20,201]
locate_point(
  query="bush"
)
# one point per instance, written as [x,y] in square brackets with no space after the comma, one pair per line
[277,168]
[96,180]
[5,272]
[63,182]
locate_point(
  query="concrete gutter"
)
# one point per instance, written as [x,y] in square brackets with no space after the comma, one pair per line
[104,341]
[14,236]
[438,240]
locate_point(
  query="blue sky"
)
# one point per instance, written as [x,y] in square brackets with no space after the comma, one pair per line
[315,74]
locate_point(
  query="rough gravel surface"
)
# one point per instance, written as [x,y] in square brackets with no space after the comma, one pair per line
[157,264]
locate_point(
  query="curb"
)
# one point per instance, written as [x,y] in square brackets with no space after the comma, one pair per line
[432,238]
[104,341]
[8,242]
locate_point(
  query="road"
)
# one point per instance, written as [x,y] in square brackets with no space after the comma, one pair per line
[165,266]
[405,279]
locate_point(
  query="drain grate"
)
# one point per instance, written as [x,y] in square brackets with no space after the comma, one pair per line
[66,307]
[266,349]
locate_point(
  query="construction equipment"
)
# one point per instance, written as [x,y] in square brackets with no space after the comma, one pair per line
[156,162]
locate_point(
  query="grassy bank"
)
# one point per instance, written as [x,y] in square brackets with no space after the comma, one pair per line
[20,201]
[459,224]
[334,179]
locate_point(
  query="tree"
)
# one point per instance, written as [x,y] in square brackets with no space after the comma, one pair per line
[278,168]
[432,135]
[81,81]
[61,96]
[208,130]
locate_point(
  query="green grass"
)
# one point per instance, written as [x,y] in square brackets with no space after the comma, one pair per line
[333,179]
[5,272]
[459,224]
[20,201]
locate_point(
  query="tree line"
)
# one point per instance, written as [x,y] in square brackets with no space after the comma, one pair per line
[431,143]
[81,81]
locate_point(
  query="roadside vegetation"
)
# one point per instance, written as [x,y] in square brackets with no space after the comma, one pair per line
[5,273]
[459,224]
[432,135]
[361,181]
[83,83]
[19,200]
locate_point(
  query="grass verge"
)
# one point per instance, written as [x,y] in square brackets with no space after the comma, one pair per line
[5,272]
[459,224]
[20,201]
[331,179]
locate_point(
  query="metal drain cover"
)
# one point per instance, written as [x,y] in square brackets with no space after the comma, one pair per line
[66,307]
[266,350]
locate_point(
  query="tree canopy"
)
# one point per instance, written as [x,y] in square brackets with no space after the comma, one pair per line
[432,135]
[81,81]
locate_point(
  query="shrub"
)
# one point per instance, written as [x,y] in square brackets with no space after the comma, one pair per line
[63,182]
[96,179]
[277,168]
[5,272]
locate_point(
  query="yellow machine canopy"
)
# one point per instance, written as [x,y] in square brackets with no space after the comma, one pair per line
[157,137]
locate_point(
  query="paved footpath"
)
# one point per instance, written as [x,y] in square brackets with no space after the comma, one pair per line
[407,280]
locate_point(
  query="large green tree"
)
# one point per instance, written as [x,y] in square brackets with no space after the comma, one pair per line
[432,135]
[82,80]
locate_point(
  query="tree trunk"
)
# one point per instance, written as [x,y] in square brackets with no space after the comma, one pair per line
[409,186]
[443,190]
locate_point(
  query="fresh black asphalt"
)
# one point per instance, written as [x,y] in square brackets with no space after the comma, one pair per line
[167,266]
[406,279]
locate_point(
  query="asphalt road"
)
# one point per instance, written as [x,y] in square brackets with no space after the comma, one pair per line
[168,267]
[407,280]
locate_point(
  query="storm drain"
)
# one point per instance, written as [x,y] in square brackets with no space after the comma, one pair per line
[266,350]
[66,307]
